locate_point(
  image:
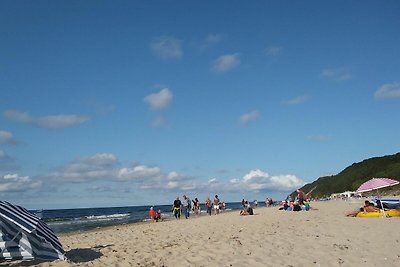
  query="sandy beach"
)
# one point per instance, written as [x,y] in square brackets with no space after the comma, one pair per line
[321,237]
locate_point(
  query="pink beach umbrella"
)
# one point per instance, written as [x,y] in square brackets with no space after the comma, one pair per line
[376,183]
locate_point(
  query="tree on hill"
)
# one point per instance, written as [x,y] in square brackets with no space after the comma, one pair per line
[353,176]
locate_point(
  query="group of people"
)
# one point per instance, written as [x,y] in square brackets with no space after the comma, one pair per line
[186,206]
[300,203]
[295,205]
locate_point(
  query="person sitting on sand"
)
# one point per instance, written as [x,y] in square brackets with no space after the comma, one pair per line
[159,217]
[153,214]
[296,206]
[368,207]
[284,206]
[307,205]
[247,210]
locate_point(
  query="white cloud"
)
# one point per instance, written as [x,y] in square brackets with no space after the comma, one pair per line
[139,172]
[226,63]
[167,47]
[259,180]
[160,100]
[248,117]
[338,74]
[16,183]
[297,100]
[212,180]
[273,51]
[51,121]
[387,91]
[6,138]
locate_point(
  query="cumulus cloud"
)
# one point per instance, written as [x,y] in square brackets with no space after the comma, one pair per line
[297,100]
[273,51]
[248,117]
[258,180]
[167,47]
[16,183]
[139,172]
[226,63]
[6,138]
[338,74]
[387,91]
[160,100]
[51,121]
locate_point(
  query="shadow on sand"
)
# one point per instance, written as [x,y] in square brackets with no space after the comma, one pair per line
[83,255]
[78,255]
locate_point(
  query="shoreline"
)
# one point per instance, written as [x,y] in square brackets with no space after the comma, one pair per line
[143,222]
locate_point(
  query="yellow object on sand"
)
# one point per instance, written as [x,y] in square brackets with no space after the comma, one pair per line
[388,213]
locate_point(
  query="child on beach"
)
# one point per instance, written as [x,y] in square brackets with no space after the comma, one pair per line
[153,214]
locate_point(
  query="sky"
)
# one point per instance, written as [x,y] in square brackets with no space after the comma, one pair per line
[124,103]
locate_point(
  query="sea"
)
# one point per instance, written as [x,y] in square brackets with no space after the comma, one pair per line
[84,219]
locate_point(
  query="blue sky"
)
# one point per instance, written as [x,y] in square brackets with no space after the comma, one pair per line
[115,103]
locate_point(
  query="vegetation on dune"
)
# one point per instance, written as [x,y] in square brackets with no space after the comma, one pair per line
[353,176]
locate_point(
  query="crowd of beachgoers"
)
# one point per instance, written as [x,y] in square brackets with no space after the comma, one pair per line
[186,206]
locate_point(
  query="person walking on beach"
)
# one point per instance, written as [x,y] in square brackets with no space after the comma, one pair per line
[196,206]
[208,205]
[216,205]
[177,208]
[187,205]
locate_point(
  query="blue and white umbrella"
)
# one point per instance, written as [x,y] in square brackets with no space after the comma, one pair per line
[25,236]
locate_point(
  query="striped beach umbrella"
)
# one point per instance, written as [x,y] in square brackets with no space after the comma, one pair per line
[25,236]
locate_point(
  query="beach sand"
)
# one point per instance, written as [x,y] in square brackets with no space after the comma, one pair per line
[322,237]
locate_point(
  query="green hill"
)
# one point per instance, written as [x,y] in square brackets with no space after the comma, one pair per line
[353,176]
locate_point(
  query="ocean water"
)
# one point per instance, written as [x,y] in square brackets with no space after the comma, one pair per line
[70,220]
